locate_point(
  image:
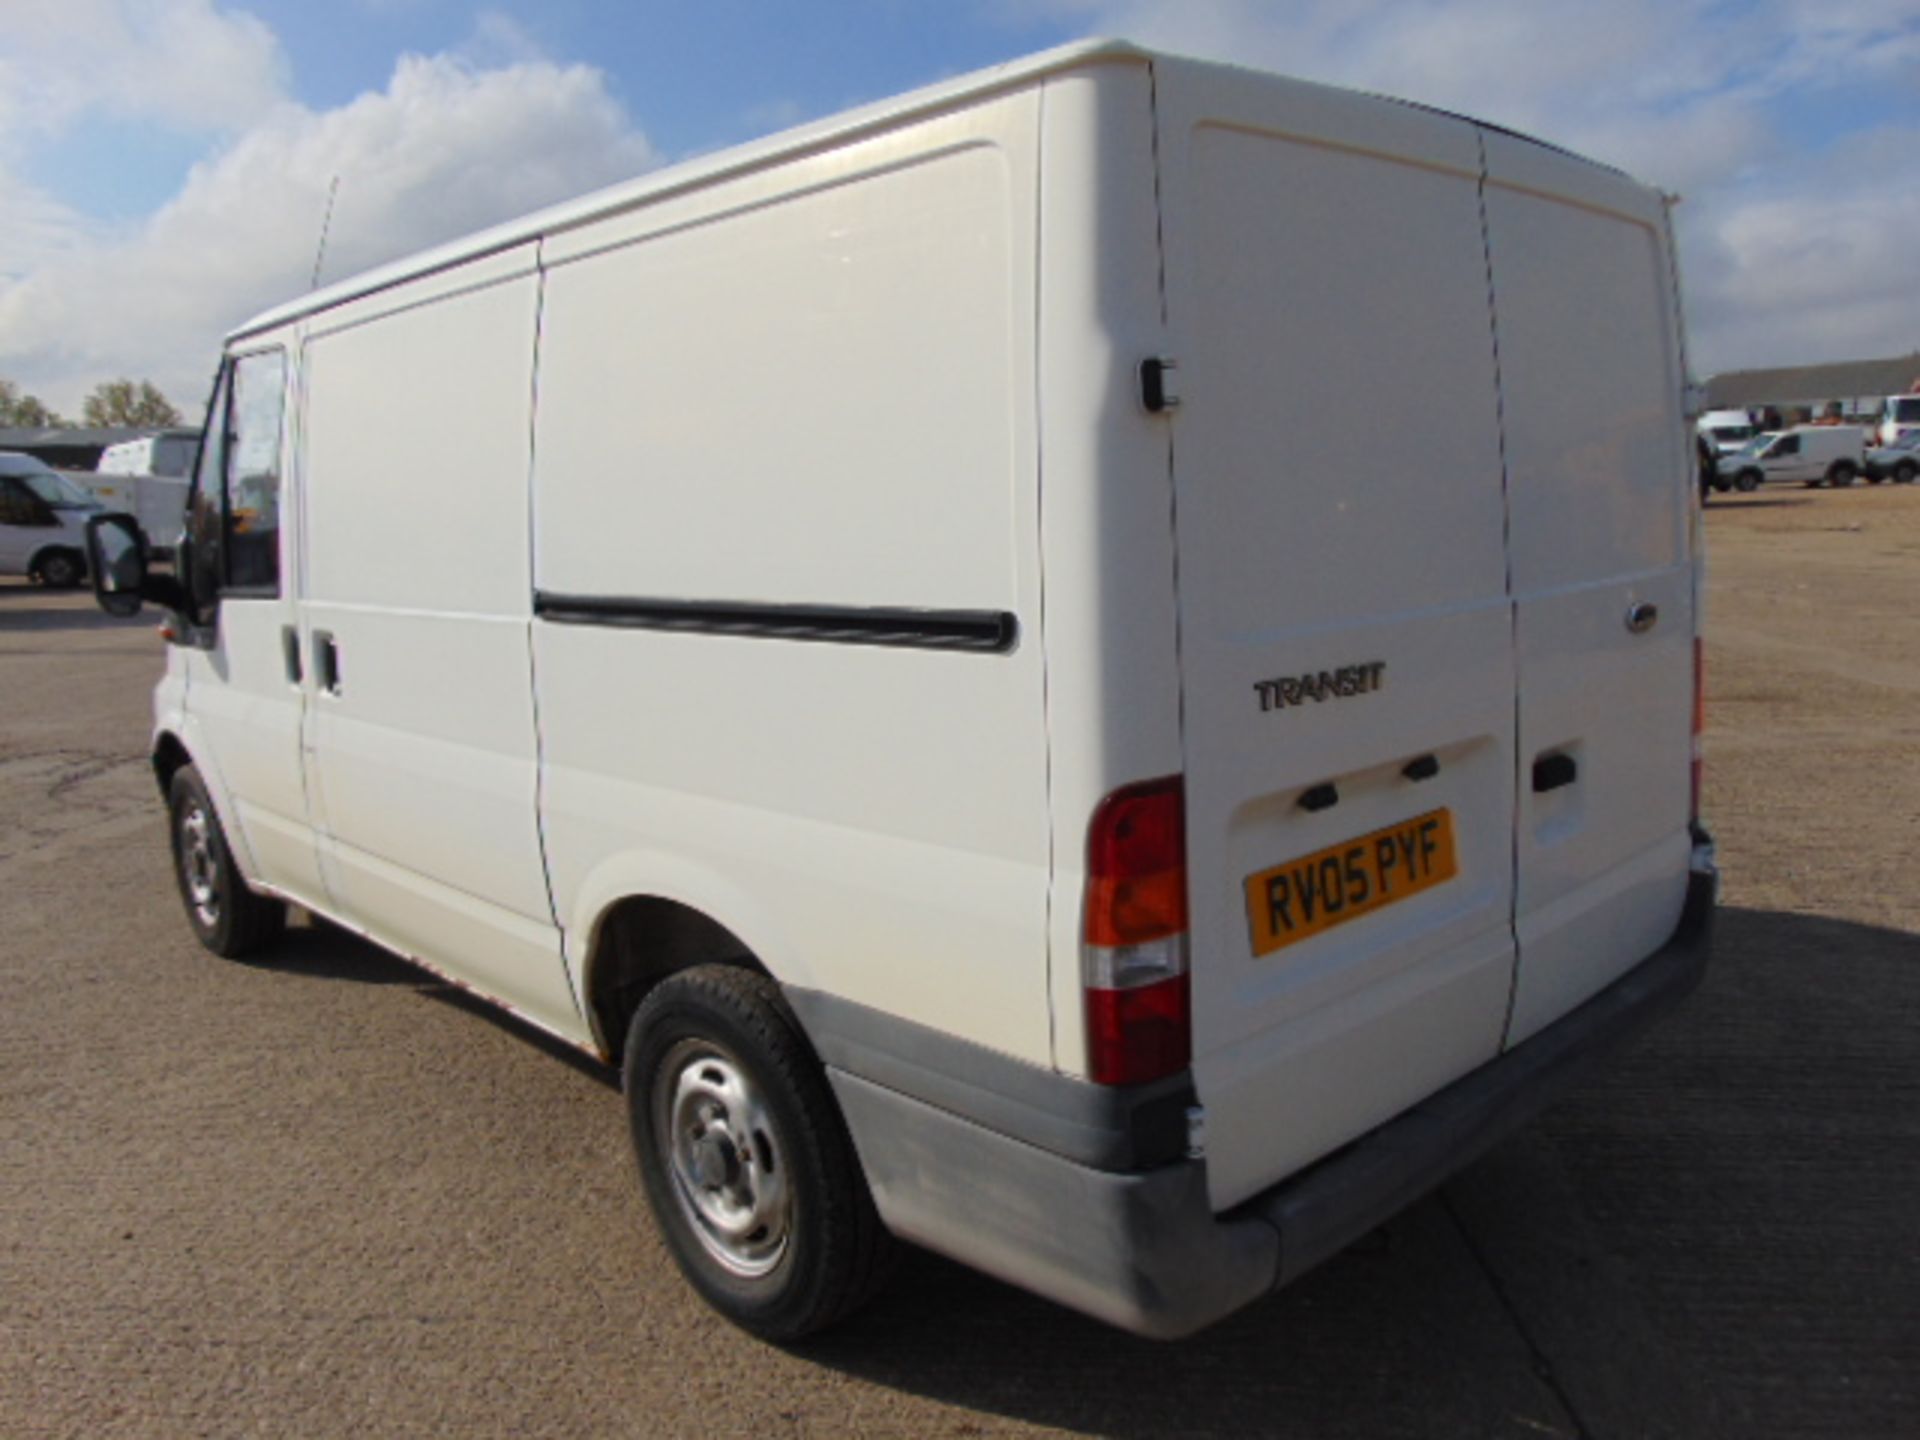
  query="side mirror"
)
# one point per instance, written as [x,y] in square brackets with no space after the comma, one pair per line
[117,561]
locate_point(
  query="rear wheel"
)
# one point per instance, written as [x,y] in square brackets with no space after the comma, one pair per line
[1904,472]
[60,569]
[226,915]
[1841,474]
[747,1163]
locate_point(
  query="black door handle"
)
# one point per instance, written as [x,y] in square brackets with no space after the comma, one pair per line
[326,661]
[290,652]
[1550,772]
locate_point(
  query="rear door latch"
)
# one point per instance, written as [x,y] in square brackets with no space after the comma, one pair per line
[1159,391]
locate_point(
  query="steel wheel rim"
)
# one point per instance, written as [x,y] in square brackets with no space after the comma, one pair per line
[724,1161]
[198,867]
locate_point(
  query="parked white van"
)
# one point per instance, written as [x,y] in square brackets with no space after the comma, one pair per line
[1812,454]
[43,519]
[1898,415]
[879,634]
[170,452]
[1727,430]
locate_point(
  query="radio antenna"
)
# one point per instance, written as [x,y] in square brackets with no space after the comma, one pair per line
[326,223]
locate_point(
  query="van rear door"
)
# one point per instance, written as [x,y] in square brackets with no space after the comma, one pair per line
[1346,635]
[1597,466]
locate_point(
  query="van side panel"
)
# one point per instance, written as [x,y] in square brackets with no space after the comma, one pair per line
[808,392]
[417,425]
[1340,513]
[1599,473]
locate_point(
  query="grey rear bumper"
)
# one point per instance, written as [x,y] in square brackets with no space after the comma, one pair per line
[1142,1249]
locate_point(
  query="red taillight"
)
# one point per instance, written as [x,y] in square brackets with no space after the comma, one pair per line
[1699,726]
[1134,935]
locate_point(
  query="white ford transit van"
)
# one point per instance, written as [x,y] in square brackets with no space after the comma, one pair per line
[880,634]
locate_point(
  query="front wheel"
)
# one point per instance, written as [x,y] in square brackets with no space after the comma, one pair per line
[1904,472]
[746,1160]
[1747,481]
[226,915]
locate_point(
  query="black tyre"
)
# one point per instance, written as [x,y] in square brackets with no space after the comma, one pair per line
[1747,481]
[60,569]
[228,918]
[746,1160]
[1904,472]
[1841,474]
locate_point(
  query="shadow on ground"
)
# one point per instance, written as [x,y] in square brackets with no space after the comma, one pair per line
[1712,1237]
[1715,1236]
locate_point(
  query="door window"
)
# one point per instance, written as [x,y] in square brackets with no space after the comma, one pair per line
[19,505]
[235,515]
[1785,446]
[253,473]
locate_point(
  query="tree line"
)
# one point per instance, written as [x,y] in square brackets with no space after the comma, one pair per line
[112,404]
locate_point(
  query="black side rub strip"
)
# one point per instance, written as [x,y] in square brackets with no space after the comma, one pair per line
[991,631]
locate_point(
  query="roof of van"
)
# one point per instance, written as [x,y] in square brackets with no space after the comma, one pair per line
[692,174]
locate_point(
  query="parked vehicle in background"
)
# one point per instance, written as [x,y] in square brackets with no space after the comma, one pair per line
[170,453]
[1726,430]
[1899,415]
[1739,469]
[1898,462]
[158,502]
[1142,948]
[1811,454]
[43,519]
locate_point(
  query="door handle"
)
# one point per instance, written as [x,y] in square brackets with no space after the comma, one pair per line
[326,661]
[1642,617]
[290,653]
[1550,772]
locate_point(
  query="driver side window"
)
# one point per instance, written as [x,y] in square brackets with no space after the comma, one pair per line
[235,524]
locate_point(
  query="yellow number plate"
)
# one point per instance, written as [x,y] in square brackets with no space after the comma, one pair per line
[1304,897]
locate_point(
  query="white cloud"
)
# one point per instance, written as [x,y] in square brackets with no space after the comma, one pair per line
[1790,254]
[443,150]
[179,63]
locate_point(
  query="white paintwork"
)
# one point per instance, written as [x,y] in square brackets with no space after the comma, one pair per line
[158,502]
[168,455]
[1289,216]
[418,417]
[1598,466]
[890,361]
[863,343]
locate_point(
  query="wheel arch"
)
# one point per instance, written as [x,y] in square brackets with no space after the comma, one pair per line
[173,750]
[63,546]
[639,941]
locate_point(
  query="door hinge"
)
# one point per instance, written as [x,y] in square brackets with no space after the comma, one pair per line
[1159,391]
[1196,1132]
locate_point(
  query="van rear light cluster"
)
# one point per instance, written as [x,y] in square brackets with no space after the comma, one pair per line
[1699,728]
[1133,951]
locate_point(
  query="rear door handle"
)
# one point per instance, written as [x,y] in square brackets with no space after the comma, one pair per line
[1550,772]
[290,653]
[326,661]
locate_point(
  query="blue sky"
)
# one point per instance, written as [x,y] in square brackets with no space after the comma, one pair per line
[164,162]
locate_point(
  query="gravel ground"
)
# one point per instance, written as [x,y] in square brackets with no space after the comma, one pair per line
[325,1195]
